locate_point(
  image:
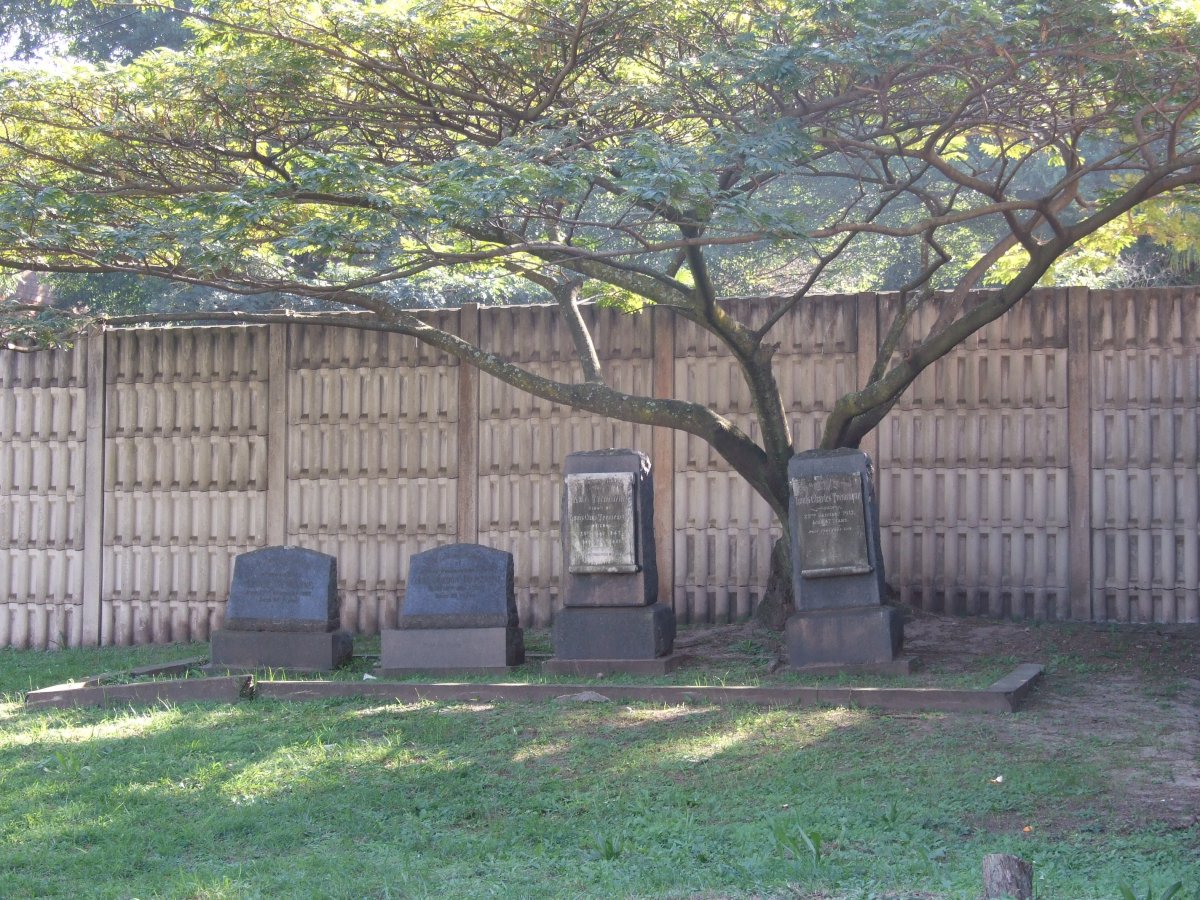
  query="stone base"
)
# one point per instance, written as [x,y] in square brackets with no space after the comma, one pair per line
[901,665]
[296,651]
[615,633]
[853,636]
[443,649]
[660,665]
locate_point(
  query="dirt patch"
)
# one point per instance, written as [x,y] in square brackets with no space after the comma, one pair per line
[1132,691]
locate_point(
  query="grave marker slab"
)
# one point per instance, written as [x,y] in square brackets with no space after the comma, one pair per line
[283,589]
[459,586]
[608,529]
[283,612]
[601,523]
[459,613]
[611,619]
[837,564]
[832,525]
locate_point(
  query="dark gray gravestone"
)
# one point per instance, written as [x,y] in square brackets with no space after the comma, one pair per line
[836,558]
[283,613]
[283,589]
[837,564]
[459,613]
[608,529]
[460,586]
[610,614]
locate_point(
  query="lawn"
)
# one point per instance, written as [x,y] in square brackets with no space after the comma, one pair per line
[368,799]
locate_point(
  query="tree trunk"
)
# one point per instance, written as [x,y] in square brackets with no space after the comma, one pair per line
[777,601]
[1006,876]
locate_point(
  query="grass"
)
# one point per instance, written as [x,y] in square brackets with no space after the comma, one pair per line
[750,667]
[365,799]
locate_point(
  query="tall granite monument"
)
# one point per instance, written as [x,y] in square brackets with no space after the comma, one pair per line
[284,612]
[459,612]
[611,620]
[837,565]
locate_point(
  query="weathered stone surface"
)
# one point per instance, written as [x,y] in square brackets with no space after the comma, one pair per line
[287,589]
[845,636]
[643,632]
[443,649]
[294,651]
[831,524]
[184,690]
[460,586]
[593,668]
[834,520]
[608,530]
[601,523]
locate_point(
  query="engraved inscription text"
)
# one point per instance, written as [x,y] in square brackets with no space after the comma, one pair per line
[600,527]
[832,538]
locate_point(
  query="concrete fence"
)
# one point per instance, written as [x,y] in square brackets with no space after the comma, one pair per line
[1047,468]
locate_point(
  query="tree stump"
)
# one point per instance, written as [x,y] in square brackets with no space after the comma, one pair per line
[1006,876]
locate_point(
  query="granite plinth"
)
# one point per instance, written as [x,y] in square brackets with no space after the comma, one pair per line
[641,632]
[460,586]
[296,651]
[608,530]
[591,668]
[846,636]
[444,649]
[283,589]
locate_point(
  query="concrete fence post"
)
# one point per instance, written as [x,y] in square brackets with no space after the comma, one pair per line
[277,434]
[1079,453]
[93,487]
[467,514]
[662,456]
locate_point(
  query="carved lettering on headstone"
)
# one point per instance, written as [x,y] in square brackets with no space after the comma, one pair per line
[460,586]
[283,589]
[600,526]
[832,525]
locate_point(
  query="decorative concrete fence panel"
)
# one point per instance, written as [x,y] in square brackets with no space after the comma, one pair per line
[1047,468]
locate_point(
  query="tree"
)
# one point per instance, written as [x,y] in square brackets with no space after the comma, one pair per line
[97,32]
[644,153]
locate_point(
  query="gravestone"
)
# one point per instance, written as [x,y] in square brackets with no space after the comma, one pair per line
[283,613]
[459,612]
[837,565]
[611,619]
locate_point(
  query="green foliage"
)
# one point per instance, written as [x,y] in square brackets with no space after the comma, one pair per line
[314,168]
[1128,893]
[337,155]
[96,31]
[792,839]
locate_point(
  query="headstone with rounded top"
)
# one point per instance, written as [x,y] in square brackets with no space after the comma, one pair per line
[283,612]
[459,612]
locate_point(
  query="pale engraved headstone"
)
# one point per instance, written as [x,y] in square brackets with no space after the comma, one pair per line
[833,530]
[601,523]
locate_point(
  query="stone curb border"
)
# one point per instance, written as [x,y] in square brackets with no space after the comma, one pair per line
[1004,696]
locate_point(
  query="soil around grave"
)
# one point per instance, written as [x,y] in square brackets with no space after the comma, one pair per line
[1133,690]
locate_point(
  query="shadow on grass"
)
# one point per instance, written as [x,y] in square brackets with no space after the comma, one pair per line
[353,798]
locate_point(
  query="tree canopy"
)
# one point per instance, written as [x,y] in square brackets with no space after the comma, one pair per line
[99,32]
[638,152]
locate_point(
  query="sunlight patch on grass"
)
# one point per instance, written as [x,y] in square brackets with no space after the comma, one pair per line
[391,709]
[121,725]
[536,751]
[466,707]
[661,713]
